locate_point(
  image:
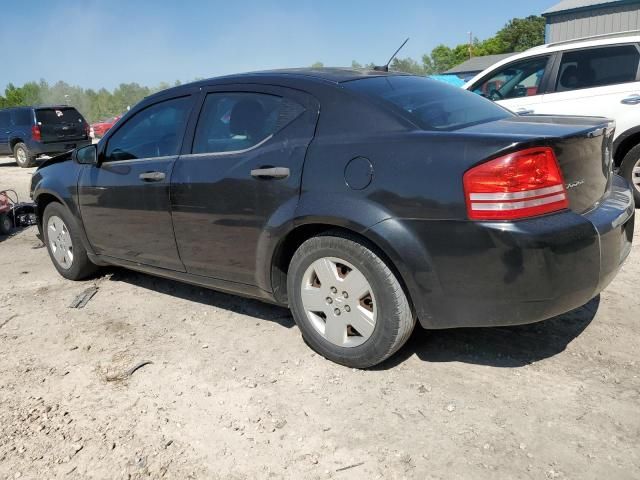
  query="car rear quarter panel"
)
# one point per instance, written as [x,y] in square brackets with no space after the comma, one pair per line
[416,183]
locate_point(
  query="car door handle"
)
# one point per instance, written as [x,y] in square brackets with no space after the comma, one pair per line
[523,111]
[631,100]
[270,172]
[152,176]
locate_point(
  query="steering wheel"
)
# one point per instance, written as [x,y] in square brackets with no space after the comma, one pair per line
[496,95]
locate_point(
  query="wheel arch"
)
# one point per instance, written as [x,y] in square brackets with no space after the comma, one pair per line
[285,250]
[44,197]
[42,201]
[14,141]
[624,143]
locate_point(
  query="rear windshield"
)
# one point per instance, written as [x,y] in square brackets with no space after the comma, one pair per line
[49,116]
[431,104]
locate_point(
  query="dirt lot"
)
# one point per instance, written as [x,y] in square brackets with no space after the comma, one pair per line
[234,393]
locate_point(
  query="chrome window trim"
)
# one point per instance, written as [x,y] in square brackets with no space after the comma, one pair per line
[224,154]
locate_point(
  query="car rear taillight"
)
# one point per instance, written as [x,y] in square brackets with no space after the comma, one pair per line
[519,185]
[35,133]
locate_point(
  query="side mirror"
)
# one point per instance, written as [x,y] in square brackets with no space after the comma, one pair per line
[86,155]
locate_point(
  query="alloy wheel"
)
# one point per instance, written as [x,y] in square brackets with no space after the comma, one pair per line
[21,156]
[60,242]
[339,302]
[635,176]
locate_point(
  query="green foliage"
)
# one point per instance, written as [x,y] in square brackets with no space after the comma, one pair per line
[521,34]
[408,65]
[517,35]
[94,105]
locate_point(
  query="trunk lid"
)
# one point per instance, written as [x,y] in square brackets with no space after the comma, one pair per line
[582,145]
[60,124]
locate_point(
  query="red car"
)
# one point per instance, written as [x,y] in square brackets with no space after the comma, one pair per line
[100,128]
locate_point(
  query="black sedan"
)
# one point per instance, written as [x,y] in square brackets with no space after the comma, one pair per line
[363,200]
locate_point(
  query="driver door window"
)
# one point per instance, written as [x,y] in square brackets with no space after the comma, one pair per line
[517,80]
[153,132]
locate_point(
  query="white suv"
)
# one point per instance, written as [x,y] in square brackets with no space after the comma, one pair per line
[598,76]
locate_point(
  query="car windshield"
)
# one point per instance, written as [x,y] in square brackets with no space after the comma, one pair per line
[432,105]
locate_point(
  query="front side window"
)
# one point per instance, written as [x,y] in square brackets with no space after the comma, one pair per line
[236,121]
[517,80]
[597,67]
[155,131]
[431,104]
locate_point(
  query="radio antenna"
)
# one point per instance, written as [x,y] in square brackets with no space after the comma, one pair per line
[385,68]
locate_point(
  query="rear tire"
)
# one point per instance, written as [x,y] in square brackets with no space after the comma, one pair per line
[24,158]
[332,322]
[630,162]
[6,224]
[62,238]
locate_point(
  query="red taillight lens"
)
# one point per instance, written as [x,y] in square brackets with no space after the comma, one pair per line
[522,184]
[35,133]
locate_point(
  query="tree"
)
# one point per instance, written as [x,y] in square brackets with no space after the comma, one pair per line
[408,65]
[522,33]
[517,35]
[94,105]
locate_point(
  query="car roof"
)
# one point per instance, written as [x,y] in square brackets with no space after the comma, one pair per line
[329,74]
[319,76]
[311,79]
[597,41]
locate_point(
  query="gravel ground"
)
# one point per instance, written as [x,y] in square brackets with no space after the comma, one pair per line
[234,393]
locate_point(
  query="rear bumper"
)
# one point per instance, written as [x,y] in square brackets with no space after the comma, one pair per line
[494,273]
[57,147]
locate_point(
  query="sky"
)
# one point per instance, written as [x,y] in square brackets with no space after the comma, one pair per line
[103,43]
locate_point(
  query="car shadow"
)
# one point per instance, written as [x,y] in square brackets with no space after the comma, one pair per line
[15,231]
[503,347]
[205,296]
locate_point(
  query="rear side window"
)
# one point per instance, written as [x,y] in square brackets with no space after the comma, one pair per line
[4,119]
[155,131]
[21,118]
[58,116]
[236,121]
[432,105]
[597,67]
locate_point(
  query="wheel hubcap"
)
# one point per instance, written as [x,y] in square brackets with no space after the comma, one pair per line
[635,175]
[60,242]
[21,156]
[338,301]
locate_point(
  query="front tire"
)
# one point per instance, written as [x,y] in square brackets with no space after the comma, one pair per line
[24,158]
[348,304]
[630,169]
[64,245]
